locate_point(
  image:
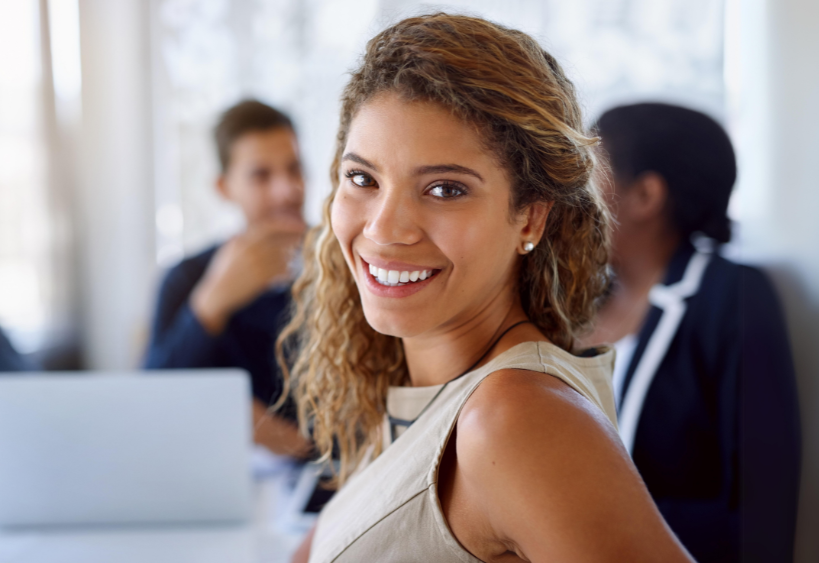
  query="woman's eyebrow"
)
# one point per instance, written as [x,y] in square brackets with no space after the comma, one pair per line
[355,158]
[421,170]
[442,168]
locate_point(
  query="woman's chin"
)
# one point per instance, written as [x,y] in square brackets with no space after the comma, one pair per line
[393,324]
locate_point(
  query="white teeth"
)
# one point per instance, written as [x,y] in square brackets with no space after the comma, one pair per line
[395,277]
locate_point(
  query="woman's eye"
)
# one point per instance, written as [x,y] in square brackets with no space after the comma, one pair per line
[447,191]
[360,179]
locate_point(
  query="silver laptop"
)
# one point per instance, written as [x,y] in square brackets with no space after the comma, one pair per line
[134,448]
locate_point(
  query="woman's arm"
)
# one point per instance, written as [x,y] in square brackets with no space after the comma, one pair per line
[540,472]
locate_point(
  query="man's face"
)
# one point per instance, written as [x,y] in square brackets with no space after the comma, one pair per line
[264,176]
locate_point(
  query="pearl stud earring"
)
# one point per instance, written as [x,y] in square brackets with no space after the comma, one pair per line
[528,246]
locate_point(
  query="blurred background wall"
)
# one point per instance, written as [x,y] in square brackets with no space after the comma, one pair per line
[107,164]
[774,91]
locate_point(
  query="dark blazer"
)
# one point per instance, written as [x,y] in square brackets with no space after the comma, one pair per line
[178,340]
[718,436]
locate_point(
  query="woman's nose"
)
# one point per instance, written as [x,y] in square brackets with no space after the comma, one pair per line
[392,220]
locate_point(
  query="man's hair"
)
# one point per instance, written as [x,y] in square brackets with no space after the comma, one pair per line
[688,149]
[245,117]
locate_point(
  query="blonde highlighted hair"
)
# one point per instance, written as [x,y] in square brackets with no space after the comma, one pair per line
[518,97]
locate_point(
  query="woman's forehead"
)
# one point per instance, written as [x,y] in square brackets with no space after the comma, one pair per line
[389,131]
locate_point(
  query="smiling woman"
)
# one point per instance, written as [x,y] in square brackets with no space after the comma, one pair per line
[406,210]
[462,250]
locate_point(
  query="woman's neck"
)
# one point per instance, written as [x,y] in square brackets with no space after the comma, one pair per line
[440,356]
[641,263]
[643,257]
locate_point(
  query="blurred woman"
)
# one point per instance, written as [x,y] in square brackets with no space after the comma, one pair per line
[704,378]
[463,248]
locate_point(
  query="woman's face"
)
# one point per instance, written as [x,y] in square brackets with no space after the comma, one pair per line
[422,216]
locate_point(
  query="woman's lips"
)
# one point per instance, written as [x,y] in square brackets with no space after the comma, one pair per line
[395,265]
[396,277]
[396,282]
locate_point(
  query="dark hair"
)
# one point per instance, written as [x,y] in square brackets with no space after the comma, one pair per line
[688,149]
[244,117]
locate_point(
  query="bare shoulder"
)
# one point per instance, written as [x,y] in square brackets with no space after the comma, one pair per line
[528,427]
[549,473]
[523,407]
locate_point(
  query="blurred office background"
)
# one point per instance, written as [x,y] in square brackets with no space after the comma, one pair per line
[107,163]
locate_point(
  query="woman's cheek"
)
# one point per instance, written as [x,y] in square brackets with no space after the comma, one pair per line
[465,236]
[338,215]
[342,220]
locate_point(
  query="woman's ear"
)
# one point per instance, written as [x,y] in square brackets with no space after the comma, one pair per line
[649,196]
[533,224]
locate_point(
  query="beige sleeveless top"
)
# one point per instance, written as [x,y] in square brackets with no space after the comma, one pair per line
[389,510]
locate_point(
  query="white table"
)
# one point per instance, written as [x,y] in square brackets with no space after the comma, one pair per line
[270,537]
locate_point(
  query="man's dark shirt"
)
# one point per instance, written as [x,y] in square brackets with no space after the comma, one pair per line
[718,441]
[178,339]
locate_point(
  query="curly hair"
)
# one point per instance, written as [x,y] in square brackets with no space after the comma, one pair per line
[518,97]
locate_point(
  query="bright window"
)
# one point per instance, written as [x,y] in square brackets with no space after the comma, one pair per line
[294,54]
[25,276]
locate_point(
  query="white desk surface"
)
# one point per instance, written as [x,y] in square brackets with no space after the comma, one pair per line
[268,538]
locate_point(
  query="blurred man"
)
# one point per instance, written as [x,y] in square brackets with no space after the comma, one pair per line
[704,379]
[225,306]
